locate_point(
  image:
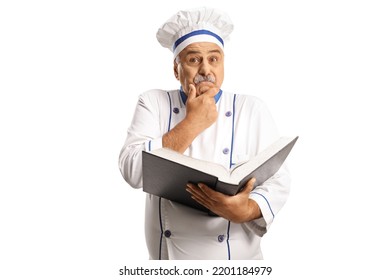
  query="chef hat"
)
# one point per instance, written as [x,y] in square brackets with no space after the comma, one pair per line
[197,25]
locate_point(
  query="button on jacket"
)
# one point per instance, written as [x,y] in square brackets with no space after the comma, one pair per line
[244,128]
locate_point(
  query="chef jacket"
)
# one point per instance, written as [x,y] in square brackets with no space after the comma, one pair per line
[244,127]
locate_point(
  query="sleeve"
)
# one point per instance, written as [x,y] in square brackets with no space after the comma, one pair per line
[272,194]
[144,134]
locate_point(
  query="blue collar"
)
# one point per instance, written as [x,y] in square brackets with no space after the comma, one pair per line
[184,96]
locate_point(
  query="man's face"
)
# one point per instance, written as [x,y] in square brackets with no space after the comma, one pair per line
[200,64]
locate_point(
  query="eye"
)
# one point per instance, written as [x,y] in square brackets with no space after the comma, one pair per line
[214,59]
[194,60]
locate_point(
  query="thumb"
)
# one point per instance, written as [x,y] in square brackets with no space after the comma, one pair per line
[249,186]
[191,92]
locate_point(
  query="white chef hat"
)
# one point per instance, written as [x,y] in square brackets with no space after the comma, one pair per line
[196,25]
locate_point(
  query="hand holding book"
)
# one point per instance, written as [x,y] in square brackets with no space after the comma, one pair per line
[238,208]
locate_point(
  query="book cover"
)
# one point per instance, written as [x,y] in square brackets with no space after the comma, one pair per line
[166,172]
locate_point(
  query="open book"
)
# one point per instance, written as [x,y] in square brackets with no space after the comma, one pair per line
[166,172]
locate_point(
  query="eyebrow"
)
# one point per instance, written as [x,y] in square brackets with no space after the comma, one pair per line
[198,52]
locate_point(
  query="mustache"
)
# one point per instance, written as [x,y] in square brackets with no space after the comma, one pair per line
[200,78]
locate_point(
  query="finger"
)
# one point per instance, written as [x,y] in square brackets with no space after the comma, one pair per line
[202,199]
[198,191]
[199,196]
[249,186]
[191,92]
[191,185]
[211,92]
[194,190]
[210,193]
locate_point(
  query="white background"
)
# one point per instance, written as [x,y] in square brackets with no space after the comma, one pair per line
[70,75]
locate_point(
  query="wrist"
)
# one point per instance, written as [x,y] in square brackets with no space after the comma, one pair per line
[191,127]
[254,210]
[180,137]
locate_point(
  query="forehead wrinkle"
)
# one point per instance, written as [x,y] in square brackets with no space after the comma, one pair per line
[189,52]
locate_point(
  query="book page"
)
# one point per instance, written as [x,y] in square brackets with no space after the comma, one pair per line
[212,168]
[237,173]
[244,169]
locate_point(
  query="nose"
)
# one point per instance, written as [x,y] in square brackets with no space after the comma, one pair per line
[204,68]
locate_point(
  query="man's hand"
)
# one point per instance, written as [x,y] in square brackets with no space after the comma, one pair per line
[238,208]
[201,108]
[201,114]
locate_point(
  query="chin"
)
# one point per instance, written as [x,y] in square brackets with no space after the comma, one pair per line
[204,86]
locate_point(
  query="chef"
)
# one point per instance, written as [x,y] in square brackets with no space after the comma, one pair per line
[201,120]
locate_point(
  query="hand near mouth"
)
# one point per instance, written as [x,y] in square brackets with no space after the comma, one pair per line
[201,109]
[201,113]
[203,83]
[204,87]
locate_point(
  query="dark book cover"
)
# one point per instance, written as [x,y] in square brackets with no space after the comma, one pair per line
[168,179]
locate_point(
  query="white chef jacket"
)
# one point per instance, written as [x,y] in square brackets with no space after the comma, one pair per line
[244,127]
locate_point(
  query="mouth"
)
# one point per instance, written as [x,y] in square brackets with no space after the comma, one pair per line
[205,82]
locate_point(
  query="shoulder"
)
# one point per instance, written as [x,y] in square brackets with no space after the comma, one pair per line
[156,97]
[154,94]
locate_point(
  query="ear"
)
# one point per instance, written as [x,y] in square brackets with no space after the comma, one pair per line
[175,70]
